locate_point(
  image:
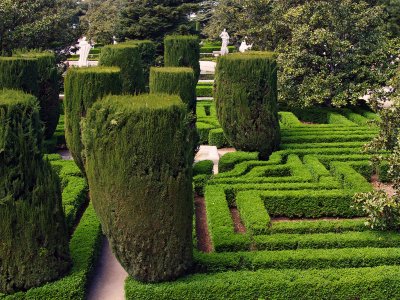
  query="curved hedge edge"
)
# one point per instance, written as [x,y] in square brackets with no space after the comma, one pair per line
[84,247]
[357,283]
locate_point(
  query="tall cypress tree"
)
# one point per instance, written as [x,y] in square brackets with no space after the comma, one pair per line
[153,19]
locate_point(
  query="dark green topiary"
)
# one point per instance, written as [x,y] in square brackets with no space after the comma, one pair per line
[175,81]
[147,51]
[84,86]
[126,56]
[182,51]
[19,73]
[33,232]
[246,99]
[48,93]
[139,168]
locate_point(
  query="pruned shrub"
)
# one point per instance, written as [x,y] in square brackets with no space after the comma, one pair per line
[246,100]
[84,86]
[139,168]
[182,51]
[175,81]
[19,73]
[127,57]
[48,93]
[147,50]
[34,237]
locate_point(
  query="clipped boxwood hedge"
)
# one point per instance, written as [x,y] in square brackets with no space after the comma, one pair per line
[182,51]
[175,81]
[34,236]
[139,167]
[246,99]
[84,86]
[127,57]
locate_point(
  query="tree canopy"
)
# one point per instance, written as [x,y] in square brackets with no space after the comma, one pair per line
[45,24]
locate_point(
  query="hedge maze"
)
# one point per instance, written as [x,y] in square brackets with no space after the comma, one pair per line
[302,231]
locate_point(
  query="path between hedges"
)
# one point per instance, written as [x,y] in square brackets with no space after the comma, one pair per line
[108,277]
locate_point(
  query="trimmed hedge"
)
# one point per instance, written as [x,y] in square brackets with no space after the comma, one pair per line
[204,91]
[85,247]
[33,231]
[182,51]
[334,284]
[175,81]
[19,73]
[147,51]
[127,57]
[84,86]
[297,259]
[203,167]
[246,99]
[139,167]
[48,94]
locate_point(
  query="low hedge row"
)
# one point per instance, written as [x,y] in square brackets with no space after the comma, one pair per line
[353,239]
[352,283]
[297,259]
[204,91]
[84,247]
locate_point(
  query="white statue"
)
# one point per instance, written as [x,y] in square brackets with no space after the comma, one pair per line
[84,49]
[225,42]
[244,47]
[115,40]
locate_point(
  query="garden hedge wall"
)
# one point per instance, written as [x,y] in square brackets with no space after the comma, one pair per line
[175,81]
[182,51]
[84,86]
[127,57]
[33,231]
[19,73]
[246,100]
[139,167]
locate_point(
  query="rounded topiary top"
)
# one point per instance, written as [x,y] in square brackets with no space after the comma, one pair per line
[182,51]
[175,81]
[127,57]
[19,73]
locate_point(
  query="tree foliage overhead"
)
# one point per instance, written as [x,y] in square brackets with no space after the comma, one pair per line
[46,24]
[153,19]
[101,19]
[330,52]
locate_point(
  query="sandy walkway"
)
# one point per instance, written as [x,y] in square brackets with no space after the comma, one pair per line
[109,277]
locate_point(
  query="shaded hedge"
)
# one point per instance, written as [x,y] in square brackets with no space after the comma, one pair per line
[175,81]
[127,57]
[34,236]
[48,94]
[182,51]
[139,167]
[84,86]
[19,73]
[246,100]
[147,51]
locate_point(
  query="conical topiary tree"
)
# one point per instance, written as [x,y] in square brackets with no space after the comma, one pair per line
[246,100]
[139,169]
[175,81]
[127,57]
[84,86]
[182,51]
[48,89]
[33,232]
